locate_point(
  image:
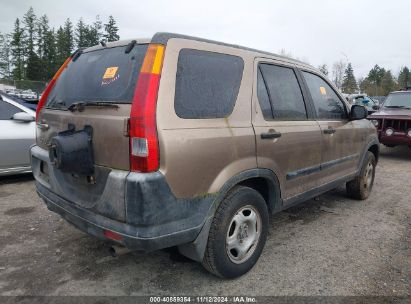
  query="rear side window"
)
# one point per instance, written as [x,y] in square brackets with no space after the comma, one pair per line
[326,102]
[283,92]
[7,110]
[104,75]
[207,84]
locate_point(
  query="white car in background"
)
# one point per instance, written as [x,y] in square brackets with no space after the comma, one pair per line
[17,134]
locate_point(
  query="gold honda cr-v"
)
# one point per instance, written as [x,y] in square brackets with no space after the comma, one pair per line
[181,141]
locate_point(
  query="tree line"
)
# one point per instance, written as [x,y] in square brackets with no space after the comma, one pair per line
[378,82]
[34,50]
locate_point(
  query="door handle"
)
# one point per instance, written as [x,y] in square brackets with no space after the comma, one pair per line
[43,126]
[329,131]
[270,135]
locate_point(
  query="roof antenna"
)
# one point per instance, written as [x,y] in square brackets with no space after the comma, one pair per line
[103,43]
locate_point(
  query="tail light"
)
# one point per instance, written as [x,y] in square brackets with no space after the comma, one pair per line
[50,86]
[144,151]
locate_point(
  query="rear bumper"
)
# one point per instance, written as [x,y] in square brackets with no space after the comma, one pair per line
[94,224]
[154,218]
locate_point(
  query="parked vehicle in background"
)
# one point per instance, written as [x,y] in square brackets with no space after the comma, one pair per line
[369,103]
[156,143]
[31,104]
[17,134]
[393,120]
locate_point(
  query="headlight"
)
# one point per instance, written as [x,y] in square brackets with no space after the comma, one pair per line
[375,122]
[409,133]
[389,132]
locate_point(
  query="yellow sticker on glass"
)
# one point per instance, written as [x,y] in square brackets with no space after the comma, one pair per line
[323,91]
[110,72]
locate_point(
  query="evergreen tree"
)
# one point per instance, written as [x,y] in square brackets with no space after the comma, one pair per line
[404,78]
[349,84]
[375,76]
[42,28]
[95,33]
[60,46]
[323,69]
[49,55]
[29,21]
[69,38]
[18,51]
[388,84]
[5,60]
[81,34]
[33,63]
[111,30]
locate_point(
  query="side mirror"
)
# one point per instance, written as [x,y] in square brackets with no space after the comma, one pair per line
[23,117]
[376,108]
[358,112]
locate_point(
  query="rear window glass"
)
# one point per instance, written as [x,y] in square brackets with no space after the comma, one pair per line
[105,75]
[207,84]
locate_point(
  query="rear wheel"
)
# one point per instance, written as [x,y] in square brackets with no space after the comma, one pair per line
[360,187]
[237,234]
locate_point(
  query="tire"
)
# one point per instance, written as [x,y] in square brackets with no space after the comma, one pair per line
[360,187]
[240,222]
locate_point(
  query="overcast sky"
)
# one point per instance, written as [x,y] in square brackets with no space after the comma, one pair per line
[364,32]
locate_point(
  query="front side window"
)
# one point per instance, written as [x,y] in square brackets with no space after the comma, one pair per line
[7,110]
[207,84]
[326,102]
[279,93]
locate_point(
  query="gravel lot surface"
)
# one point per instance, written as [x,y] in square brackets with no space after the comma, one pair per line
[328,246]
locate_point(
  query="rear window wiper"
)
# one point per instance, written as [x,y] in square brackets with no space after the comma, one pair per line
[80,106]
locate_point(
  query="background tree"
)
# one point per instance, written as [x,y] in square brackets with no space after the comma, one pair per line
[375,76]
[69,37]
[94,32]
[338,73]
[349,84]
[388,84]
[404,77]
[81,34]
[33,64]
[111,30]
[323,69]
[5,59]
[49,55]
[18,51]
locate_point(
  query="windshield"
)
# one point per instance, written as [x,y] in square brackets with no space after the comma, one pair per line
[104,75]
[398,100]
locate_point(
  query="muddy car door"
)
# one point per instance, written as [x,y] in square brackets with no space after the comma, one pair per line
[342,142]
[288,139]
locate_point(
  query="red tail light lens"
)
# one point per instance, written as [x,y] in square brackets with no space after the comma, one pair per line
[144,151]
[50,86]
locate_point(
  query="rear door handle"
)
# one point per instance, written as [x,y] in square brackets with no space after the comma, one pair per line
[329,131]
[270,135]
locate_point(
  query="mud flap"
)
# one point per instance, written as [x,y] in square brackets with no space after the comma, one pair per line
[71,151]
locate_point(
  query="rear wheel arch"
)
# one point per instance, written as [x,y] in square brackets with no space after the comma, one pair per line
[264,181]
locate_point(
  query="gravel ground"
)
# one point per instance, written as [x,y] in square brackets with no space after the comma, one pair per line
[328,246]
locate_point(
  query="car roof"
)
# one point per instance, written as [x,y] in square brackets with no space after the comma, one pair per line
[163,37]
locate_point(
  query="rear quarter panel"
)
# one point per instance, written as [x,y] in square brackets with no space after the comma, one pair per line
[197,156]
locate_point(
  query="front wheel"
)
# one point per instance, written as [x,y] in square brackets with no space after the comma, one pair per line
[360,187]
[237,234]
